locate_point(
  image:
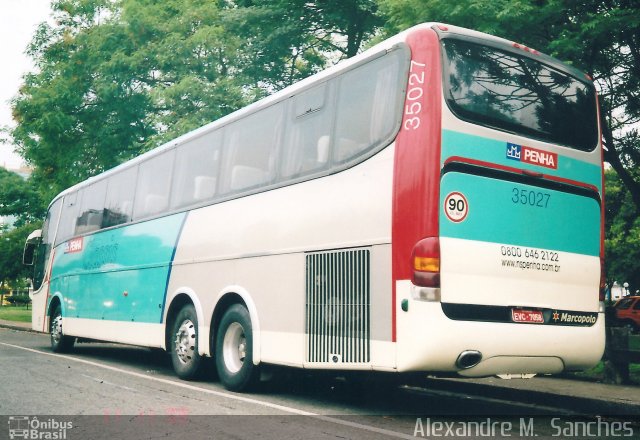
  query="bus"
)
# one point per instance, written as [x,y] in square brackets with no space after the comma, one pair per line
[434,204]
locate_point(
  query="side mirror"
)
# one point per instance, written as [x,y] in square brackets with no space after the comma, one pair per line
[33,240]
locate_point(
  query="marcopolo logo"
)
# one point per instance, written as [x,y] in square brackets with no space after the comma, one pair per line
[533,156]
[574,318]
[33,428]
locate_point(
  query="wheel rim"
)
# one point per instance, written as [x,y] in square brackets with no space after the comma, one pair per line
[56,329]
[185,341]
[234,347]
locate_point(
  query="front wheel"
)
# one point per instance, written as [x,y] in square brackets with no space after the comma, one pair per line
[234,350]
[184,344]
[59,342]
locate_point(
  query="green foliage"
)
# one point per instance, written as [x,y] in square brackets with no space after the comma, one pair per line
[115,79]
[622,245]
[19,198]
[18,300]
[287,40]
[12,243]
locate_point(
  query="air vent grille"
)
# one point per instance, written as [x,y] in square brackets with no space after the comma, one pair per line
[338,303]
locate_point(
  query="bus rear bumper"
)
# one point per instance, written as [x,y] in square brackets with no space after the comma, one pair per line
[427,340]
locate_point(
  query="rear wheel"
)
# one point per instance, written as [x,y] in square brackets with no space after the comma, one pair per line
[59,342]
[184,344]
[234,350]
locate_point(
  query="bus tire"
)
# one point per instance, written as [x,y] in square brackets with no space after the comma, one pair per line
[59,342]
[234,350]
[183,344]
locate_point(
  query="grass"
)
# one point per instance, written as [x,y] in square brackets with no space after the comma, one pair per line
[13,313]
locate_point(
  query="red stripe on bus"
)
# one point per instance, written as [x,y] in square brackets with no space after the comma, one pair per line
[47,285]
[496,166]
[602,204]
[416,171]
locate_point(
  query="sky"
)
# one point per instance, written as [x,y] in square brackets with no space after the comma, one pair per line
[18,22]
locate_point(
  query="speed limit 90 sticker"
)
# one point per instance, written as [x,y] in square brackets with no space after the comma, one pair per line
[456,207]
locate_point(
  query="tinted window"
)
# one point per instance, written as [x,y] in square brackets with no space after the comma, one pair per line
[154,183]
[196,170]
[48,231]
[250,149]
[118,206]
[636,306]
[67,225]
[308,141]
[367,106]
[518,94]
[91,208]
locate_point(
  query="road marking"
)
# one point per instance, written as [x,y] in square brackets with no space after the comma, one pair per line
[240,398]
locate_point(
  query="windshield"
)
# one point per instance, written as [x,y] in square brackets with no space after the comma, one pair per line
[520,95]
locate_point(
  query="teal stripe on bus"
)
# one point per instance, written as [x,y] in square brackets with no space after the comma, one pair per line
[120,274]
[490,150]
[562,221]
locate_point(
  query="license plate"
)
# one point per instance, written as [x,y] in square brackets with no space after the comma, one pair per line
[527,316]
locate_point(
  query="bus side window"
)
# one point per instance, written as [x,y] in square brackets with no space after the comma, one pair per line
[66,227]
[308,141]
[44,250]
[367,105]
[196,170]
[153,186]
[118,206]
[250,149]
[91,208]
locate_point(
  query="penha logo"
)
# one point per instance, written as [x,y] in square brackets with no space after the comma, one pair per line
[525,154]
[74,245]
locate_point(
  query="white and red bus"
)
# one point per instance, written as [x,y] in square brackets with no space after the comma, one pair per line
[434,204]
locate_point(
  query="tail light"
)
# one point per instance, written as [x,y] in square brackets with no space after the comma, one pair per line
[425,260]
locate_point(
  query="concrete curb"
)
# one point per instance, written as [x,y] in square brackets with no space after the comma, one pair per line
[20,326]
[588,406]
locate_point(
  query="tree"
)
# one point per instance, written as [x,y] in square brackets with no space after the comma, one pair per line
[622,234]
[12,271]
[19,198]
[116,78]
[287,40]
[600,36]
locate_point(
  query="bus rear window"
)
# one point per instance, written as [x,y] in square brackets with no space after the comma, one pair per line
[518,94]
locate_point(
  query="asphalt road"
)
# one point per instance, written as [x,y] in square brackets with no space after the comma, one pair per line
[114,391]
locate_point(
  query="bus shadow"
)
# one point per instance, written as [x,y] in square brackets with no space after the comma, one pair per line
[151,360]
[381,394]
[355,391]
[134,356]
